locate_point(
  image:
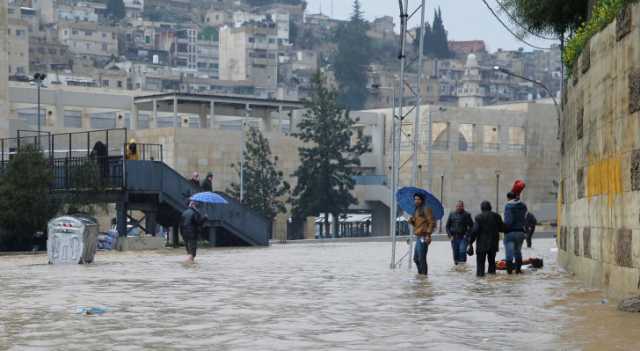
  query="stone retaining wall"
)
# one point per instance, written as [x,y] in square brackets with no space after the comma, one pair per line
[599,205]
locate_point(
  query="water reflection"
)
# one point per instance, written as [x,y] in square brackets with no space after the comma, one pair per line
[330,296]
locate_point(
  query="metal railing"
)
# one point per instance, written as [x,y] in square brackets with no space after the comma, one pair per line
[87,173]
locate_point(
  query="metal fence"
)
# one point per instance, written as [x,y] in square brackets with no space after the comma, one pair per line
[87,174]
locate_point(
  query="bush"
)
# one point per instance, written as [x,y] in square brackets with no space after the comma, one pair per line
[25,202]
[604,12]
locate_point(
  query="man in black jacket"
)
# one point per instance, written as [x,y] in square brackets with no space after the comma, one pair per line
[191,224]
[486,235]
[459,225]
[207,183]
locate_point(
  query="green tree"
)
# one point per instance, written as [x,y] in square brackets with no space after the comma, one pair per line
[264,184]
[116,10]
[548,17]
[209,33]
[25,201]
[84,182]
[352,60]
[440,41]
[329,159]
[436,41]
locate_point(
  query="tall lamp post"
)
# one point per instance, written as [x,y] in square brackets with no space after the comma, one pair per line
[538,83]
[38,78]
[498,191]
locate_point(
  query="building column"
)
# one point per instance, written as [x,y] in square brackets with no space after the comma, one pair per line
[135,117]
[151,223]
[153,123]
[59,115]
[280,119]
[176,120]
[454,137]
[503,138]
[203,116]
[85,118]
[212,115]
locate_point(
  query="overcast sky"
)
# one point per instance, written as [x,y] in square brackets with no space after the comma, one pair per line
[464,19]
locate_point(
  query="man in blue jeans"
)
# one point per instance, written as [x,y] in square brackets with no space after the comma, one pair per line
[459,225]
[515,212]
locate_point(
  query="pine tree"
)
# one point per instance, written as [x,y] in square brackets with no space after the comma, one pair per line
[549,17]
[116,10]
[330,158]
[264,187]
[440,40]
[352,60]
[25,203]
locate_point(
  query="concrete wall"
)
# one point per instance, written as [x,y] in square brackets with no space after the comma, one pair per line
[599,211]
[4,68]
[467,169]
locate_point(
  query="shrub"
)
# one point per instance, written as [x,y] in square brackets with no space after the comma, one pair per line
[604,12]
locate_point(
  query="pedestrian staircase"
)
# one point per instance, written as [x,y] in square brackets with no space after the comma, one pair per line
[155,183]
[147,184]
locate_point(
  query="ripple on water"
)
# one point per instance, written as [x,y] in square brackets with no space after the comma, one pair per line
[290,297]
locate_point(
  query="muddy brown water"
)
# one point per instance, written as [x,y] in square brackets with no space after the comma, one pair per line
[338,296]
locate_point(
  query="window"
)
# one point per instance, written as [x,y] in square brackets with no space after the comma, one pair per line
[119,84]
[252,40]
[113,36]
[53,51]
[20,70]
[104,35]
[74,32]
[465,137]
[105,47]
[105,83]
[88,45]
[87,33]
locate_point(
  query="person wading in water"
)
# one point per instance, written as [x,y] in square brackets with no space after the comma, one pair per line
[423,223]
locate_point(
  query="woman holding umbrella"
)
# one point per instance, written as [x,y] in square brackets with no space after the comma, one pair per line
[423,224]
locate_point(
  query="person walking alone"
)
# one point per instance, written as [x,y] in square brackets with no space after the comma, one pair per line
[423,224]
[486,235]
[459,225]
[530,227]
[190,226]
[515,221]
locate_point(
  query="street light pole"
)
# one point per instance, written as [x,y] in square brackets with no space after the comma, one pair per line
[38,78]
[538,83]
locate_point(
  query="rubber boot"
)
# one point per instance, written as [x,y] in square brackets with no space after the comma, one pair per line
[519,266]
[509,267]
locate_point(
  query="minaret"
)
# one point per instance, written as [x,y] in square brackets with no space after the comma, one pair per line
[471,93]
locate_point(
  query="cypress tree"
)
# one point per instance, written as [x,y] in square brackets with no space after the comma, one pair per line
[352,60]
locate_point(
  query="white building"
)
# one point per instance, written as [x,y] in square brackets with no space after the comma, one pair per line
[282,21]
[134,8]
[250,53]
[80,12]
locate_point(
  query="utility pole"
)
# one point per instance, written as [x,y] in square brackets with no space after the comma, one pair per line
[38,78]
[405,16]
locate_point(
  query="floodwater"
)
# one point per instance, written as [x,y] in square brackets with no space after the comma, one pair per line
[334,296]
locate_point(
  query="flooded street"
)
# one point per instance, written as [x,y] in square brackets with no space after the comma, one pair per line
[339,296]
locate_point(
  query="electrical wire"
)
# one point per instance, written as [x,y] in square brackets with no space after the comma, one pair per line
[493,12]
[515,20]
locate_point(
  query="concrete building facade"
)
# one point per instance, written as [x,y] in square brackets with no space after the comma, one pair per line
[599,207]
[4,69]
[89,40]
[250,53]
[18,46]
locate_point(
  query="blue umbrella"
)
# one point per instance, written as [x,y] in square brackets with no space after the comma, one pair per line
[208,197]
[405,198]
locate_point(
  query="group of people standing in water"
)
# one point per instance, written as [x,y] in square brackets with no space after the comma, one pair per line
[518,225]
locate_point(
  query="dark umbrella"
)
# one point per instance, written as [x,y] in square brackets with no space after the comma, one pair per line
[405,198]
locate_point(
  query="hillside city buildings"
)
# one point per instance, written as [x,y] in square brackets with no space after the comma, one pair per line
[228,46]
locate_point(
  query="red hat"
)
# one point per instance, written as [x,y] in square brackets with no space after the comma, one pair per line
[518,187]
